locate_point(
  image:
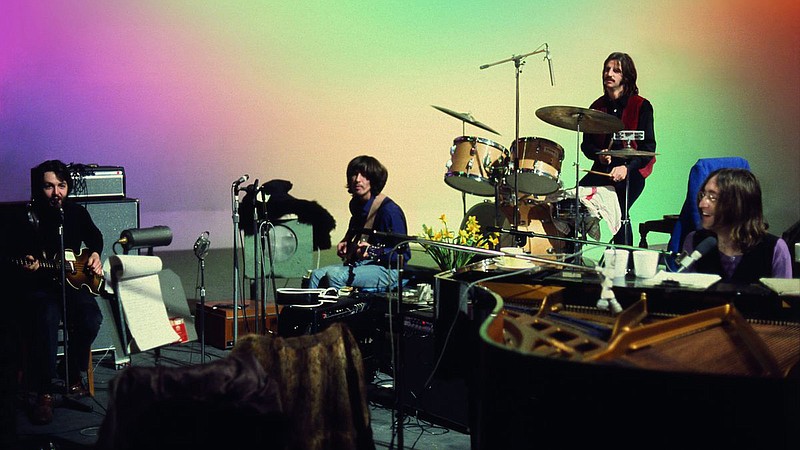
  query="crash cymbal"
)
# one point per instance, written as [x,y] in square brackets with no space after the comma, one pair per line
[628,153]
[590,120]
[466,117]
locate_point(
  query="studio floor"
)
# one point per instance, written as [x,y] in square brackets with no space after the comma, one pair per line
[73,429]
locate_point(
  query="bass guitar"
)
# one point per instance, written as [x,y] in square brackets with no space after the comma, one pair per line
[77,270]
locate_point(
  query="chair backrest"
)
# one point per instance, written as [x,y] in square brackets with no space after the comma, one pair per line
[689,219]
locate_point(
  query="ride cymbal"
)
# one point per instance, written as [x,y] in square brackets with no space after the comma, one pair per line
[570,117]
[466,117]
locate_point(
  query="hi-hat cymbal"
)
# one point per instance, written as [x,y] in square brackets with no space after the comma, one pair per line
[628,153]
[466,117]
[590,120]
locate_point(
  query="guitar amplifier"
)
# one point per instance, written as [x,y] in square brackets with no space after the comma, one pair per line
[219,322]
[300,320]
[93,181]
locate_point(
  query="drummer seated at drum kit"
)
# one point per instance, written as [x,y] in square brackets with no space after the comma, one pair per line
[631,163]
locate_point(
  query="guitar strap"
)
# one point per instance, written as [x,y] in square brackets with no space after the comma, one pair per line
[373,210]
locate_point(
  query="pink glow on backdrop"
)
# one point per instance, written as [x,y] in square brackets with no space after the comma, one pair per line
[188,98]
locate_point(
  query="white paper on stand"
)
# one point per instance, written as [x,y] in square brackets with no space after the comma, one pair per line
[139,292]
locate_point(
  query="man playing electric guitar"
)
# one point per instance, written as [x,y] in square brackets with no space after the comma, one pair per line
[54,218]
[370,264]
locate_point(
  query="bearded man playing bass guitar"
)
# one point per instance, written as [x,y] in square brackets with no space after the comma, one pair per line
[52,214]
[369,261]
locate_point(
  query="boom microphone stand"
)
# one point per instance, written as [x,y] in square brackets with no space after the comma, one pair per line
[518,63]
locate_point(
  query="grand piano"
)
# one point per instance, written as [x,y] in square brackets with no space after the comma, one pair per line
[546,368]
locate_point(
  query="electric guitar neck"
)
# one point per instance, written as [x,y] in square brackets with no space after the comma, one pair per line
[77,270]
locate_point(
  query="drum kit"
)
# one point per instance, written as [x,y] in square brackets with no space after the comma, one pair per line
[523,177]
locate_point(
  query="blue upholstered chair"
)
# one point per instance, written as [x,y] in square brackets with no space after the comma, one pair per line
[689,218]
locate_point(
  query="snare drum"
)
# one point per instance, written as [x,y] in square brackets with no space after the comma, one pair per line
[565,210]
[538,165]
[475,165]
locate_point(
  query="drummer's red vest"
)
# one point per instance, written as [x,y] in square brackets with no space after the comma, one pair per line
[630,118]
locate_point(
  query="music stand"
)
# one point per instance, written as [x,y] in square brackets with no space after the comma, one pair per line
[135,239]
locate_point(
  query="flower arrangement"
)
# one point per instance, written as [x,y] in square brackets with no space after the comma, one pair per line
[470,235]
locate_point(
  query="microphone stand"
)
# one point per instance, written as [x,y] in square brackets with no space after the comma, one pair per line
[68,401]
[202,316]
[271,260]
[577,241]
[399,378]
[518,63]
[257,287]
[236,293]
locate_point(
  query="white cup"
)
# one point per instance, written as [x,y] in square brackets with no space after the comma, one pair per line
[616,262]
[645,263]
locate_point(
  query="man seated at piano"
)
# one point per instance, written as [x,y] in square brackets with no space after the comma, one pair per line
[731,212]
[369,261]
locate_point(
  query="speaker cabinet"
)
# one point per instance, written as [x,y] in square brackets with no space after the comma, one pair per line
[111,217]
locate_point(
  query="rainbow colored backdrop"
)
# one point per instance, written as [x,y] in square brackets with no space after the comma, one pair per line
[188,95]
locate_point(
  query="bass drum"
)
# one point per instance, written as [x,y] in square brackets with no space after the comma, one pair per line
[484,213]
[535,217]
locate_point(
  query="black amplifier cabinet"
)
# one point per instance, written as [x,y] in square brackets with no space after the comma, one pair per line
[300,320]
[93,181]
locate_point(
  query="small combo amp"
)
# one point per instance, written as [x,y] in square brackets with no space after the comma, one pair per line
[300,320]
[93,181]
[218,317]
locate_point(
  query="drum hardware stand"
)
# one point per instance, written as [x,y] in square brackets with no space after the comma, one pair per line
[518,63]
[627,136]
[236,287]
[580,229]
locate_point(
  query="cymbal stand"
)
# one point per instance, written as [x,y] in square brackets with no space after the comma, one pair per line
[579,224]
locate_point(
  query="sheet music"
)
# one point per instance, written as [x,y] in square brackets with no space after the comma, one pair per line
[139,292]
[684,279]
[783,286]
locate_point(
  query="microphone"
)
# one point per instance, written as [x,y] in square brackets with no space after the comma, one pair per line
[549,59]
[241,180]
[250,188]
[201,245]
[702,249]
